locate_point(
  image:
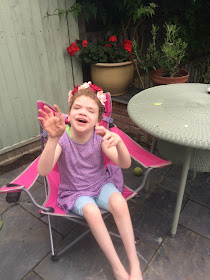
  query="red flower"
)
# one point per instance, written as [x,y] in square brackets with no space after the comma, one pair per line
[75,90]
[127,45]
[95,88]
[72,49]
[84,43]
[108,45]
[113,39]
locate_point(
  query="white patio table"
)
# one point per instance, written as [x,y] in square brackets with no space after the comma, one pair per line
[178,115]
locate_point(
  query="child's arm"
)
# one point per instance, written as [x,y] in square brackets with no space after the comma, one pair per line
[55,127]
[114,148]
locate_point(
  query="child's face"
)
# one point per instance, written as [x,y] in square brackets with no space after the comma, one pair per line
[84,113]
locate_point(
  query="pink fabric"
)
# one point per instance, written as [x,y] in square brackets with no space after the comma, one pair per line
[144,157]
[26,179]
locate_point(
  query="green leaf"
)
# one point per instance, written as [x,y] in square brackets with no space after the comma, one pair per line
[1,224]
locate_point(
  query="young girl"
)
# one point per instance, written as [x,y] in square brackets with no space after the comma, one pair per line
[85,184]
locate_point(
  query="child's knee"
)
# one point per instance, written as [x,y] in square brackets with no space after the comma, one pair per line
[91,211]
[117,203]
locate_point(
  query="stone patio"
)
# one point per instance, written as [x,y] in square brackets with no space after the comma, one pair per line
[25,251]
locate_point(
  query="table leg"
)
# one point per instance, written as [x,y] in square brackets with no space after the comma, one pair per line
[154,145]
[185,168]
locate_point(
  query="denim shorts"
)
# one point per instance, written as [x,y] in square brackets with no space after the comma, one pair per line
[101,201]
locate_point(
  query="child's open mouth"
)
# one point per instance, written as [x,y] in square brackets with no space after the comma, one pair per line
[82,121]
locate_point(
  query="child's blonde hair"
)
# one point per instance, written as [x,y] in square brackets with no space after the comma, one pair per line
[88,92]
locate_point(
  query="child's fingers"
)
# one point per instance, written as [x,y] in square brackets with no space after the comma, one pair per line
[58,114]
[100,133]
[100,130]
[41,119]
[107,136]
[43,113]
[62,118]
[57,111]
[48,110]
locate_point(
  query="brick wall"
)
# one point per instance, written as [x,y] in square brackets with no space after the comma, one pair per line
[123,121]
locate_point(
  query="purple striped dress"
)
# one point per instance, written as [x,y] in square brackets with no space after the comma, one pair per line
[82,170]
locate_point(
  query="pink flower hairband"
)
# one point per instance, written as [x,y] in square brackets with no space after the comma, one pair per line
[99,91]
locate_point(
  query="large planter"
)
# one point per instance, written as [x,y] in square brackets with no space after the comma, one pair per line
[113,77]
[157,78]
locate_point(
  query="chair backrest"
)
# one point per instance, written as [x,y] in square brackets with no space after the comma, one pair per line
[107,120]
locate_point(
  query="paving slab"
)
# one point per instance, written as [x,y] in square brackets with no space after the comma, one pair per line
[153,219]
[196,218]
[32,276]
[24,241]
[197,189]
[4,205]
[185,257]
[163,201]
[60,224]
[151,226]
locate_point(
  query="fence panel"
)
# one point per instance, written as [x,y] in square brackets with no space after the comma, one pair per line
[34,64]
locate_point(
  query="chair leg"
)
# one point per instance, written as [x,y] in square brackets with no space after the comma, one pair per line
[146,188]
[51,237]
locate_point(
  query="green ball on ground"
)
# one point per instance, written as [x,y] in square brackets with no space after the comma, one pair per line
[137,171]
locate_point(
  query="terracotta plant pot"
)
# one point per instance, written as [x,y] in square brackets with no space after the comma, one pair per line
[158,79]
[113,77]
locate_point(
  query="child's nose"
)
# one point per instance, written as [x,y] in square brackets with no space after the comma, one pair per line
[83,111]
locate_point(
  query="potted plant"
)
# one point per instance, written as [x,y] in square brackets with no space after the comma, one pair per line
[112,66]
[121,17]
[163,61]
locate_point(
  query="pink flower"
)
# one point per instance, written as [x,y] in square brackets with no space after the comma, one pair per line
[72,49]
[127,45]
[95,88]
[113,39]
[84,43]
[102,97]
[75,89]
[85,85]
[108,45]
[70,95]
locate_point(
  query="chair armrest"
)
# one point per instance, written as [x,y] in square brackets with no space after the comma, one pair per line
[141,155]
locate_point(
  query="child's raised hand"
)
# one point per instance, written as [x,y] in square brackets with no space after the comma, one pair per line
[53,124]
[110,139]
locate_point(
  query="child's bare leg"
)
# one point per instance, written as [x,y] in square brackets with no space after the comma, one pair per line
[119,209]
[95,221]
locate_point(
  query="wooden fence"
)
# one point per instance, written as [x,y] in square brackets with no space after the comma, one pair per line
[34,64]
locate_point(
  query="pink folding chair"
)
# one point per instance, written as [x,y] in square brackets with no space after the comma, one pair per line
[26,179]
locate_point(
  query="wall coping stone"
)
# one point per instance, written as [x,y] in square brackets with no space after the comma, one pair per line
[125,98]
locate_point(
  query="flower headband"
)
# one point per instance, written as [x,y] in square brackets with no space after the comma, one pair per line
[99,91]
